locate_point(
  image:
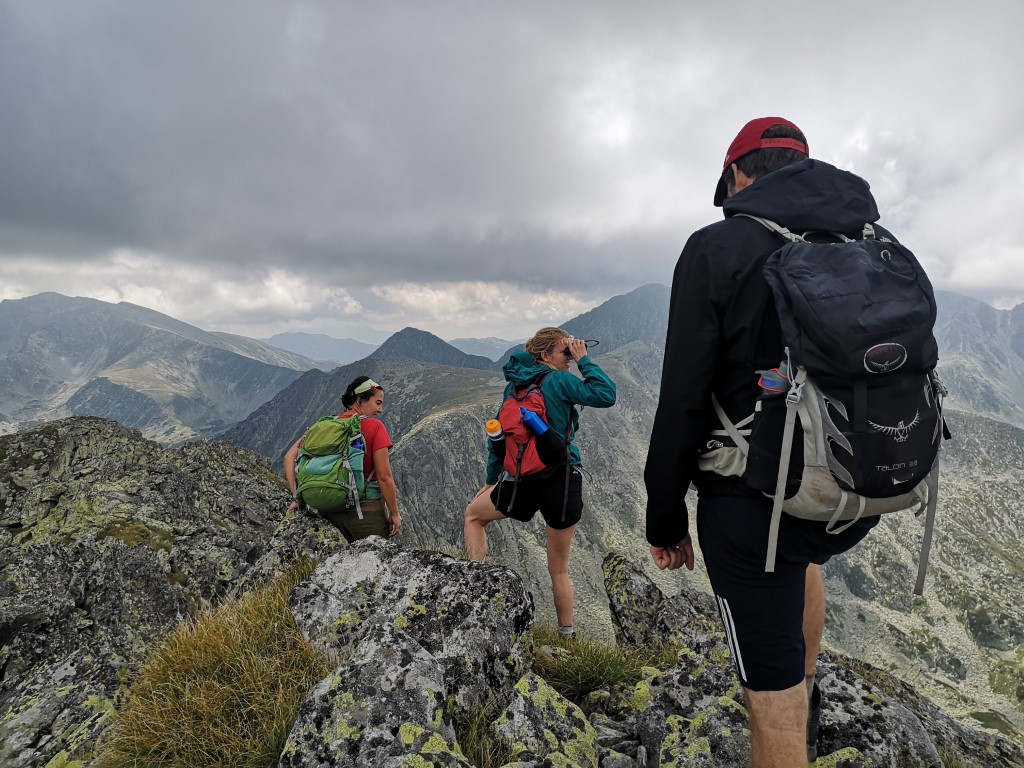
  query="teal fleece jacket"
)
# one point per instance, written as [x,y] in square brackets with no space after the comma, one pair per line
[562,390]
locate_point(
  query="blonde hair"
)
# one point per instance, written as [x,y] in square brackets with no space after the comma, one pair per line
[543,340]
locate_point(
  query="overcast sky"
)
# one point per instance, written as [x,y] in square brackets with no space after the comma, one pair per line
[474,168]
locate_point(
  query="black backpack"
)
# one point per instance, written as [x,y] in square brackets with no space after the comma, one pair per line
[857,381]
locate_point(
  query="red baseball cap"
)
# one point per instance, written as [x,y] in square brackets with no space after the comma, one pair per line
[750,139]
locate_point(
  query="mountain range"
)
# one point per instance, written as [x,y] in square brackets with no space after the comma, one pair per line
[490,347]
[320,347]
[962,641]
[64,356]
[981,356]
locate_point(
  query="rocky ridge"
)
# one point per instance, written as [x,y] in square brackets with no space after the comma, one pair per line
[107,540]
[428,635]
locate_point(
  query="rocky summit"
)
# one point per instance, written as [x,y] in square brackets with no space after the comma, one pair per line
[108,540]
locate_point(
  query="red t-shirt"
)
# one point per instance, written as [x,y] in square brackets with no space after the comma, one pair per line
[376,436]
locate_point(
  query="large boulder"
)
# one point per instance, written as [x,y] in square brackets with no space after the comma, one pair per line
[422,637]
[387,703]
[473,619]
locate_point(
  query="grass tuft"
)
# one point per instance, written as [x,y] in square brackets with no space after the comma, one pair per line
[222,690]
[951,759]
[578,666]
[475,739]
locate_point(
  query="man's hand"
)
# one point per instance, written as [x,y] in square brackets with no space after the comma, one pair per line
[673,557]
[394,524]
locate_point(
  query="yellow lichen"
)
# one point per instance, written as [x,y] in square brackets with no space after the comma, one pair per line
[844,757]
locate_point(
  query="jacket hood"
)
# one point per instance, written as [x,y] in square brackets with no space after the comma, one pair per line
[809,195]
[521,368]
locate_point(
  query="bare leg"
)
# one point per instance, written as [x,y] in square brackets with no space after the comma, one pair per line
[814,621]
[479,513]
[559,544]
[778,727]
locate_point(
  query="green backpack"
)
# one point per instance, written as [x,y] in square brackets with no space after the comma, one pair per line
[329,469]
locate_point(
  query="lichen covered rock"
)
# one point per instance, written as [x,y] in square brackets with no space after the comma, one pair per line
[473,619]
[387,706]
[106,541]
[642,614]
[540,723]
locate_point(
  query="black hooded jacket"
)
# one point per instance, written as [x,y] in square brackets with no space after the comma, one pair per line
[722,326]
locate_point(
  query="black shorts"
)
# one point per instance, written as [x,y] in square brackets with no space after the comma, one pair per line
[763,612]
[545,494]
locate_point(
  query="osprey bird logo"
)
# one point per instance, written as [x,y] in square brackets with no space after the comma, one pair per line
[901,431]
[885,358]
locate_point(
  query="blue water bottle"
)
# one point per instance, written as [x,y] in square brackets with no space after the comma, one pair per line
[532,421]
[774,382]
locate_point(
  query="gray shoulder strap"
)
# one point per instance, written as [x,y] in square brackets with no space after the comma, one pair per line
[929,527]
[776,228]
[868,233]
[730,428]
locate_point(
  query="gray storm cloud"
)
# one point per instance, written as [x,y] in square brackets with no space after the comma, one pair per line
[277,146]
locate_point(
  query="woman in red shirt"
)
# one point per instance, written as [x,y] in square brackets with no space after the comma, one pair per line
[364,398]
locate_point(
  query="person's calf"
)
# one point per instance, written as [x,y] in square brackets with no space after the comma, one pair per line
[778,726]
[474,536]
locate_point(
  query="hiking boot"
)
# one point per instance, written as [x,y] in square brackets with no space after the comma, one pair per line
[812,723]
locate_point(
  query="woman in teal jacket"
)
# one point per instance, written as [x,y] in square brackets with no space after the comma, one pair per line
[547,354]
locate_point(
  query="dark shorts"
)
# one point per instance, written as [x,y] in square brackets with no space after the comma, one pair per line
[543,494]
[763,612]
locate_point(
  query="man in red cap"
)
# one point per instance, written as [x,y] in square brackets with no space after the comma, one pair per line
[722,329]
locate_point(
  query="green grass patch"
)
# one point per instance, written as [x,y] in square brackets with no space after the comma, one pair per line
[474,737]
[1008,679]
[222,690]
[134,534]
[951,759]
[578,666]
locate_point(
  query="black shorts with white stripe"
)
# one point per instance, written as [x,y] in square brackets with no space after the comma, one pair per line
[763,612]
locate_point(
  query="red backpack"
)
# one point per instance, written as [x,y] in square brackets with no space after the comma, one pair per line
[521,457]
[530,446]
